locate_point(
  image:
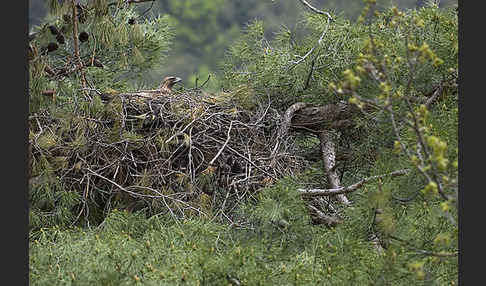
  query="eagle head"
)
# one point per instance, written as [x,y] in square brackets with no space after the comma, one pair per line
[169,81]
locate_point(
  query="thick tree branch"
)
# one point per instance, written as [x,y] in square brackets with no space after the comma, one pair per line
[328,154]
[284,128]
[348,189]
[319,118]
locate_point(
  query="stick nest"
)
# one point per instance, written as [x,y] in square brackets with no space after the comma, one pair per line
[186,153]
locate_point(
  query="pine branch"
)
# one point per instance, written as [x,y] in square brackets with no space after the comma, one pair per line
[316,10]
[348,189]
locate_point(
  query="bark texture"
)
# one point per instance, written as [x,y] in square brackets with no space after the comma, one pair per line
[319,118]
[329,161]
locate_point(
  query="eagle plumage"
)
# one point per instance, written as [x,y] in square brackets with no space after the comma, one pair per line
[168,83]
[164,89]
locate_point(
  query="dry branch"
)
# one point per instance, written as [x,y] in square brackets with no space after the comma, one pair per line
[285,125]
[348,189]
[224,145]
[312,49]
[438,90]
[329,161]
[318,118]
[314,9]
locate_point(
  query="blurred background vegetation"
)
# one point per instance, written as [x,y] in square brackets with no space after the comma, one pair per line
[205,29]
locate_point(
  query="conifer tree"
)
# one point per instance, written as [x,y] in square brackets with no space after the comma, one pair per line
[92,46]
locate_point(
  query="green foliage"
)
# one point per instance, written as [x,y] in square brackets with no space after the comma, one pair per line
[50,206]
[205,29]
[125,50]
[272,240]
[128,249]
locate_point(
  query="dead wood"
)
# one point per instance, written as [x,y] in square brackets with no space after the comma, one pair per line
[317,118]
[348,189]
[329,161]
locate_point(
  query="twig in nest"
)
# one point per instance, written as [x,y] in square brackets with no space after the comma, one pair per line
[248,160]
[159,195]
[224,145]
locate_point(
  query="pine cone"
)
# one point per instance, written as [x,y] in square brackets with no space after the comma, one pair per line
[52,47]
[132,21]
[83,37]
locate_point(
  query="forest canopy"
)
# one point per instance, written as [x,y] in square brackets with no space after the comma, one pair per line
[206,29]
[322,151]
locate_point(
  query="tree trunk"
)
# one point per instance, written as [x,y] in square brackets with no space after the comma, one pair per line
[329,159]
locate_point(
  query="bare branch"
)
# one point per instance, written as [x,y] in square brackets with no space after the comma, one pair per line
[313,48]
[316,10]
[224,145]
[286,121]
[348,189]
[328,153]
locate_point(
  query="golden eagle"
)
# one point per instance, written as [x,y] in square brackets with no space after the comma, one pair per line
[168,83]
[164,89]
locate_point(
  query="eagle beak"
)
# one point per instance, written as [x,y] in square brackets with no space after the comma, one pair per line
[177,79]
